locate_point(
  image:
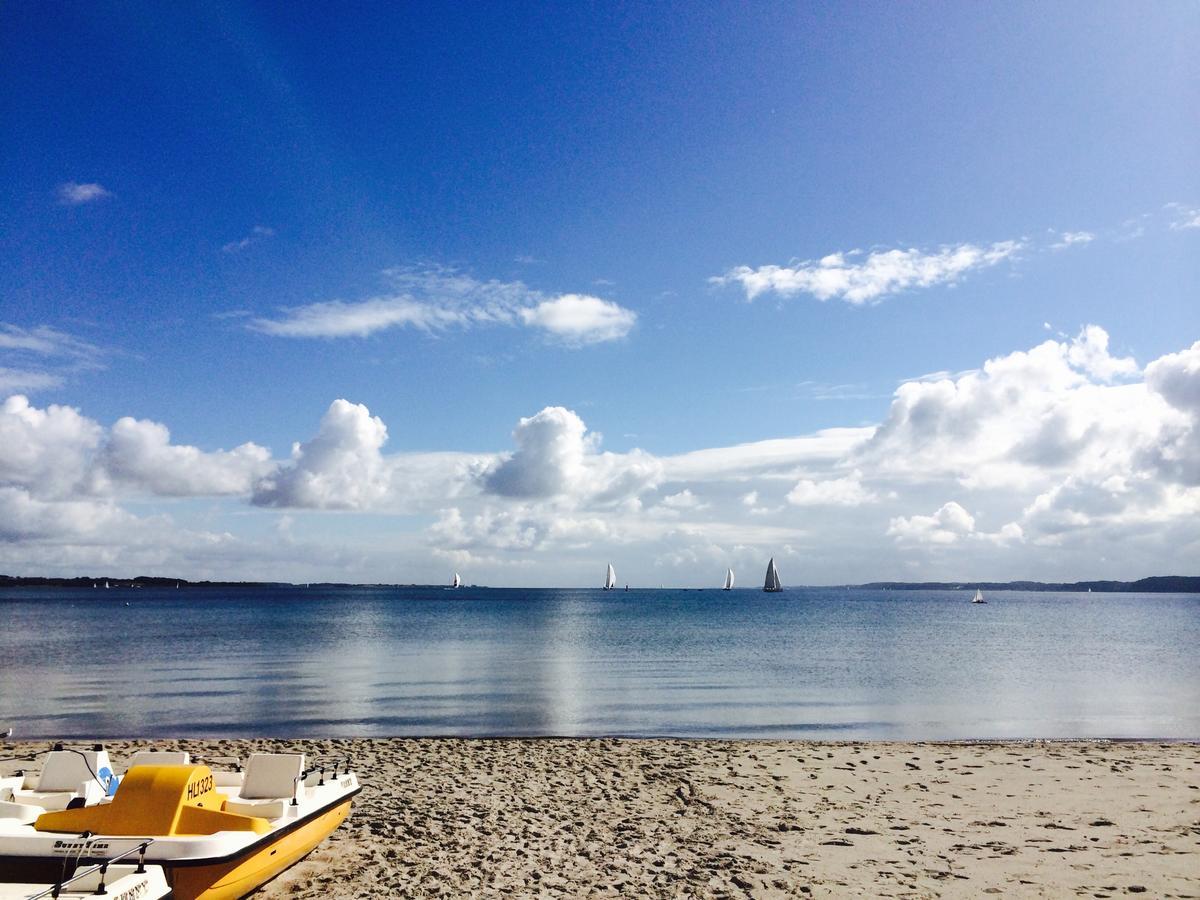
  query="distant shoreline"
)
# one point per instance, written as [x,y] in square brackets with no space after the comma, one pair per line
[1158,584]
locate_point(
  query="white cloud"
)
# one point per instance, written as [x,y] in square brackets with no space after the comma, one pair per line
[337,318]
[1184,217]
[340,468]
[139,453]
[435,299]
[24,517]
[1089,352]
[1176,379]
[1060,461]
[1072,239]
[72,193]
[847,491]
[684,500]
[557,458]
[580,319]
[27,380]
[47,452]
[57,453]
[42,357]
[946,526]
[257,234]
[845,276]
[1018,417]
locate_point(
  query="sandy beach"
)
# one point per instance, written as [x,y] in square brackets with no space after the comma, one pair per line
[672,818]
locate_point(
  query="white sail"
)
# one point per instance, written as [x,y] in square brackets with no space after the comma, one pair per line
[456,581]
[610,579]
[772,585]
[728,579]
[978,598]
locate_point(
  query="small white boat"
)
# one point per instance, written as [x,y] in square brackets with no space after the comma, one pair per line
[215,835]
[455,581]
[118,877]
[728,580]
[978,598]
[610,579]
[772,585]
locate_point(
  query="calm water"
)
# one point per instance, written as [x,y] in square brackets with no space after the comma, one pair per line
[805,663]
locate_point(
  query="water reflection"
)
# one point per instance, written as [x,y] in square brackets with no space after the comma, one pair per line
[806,663]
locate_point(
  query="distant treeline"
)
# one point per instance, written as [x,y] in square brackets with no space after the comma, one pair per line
[1159,584]
[154,581]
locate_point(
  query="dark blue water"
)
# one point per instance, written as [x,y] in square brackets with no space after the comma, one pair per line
[808,663]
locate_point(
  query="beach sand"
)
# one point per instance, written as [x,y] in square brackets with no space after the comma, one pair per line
[673,818]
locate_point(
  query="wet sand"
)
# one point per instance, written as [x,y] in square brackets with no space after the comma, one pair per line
[671,818]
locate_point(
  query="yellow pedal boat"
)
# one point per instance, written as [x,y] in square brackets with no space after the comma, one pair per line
[217,836]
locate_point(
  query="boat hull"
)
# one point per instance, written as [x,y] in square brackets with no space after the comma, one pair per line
[231,879]
[224,879]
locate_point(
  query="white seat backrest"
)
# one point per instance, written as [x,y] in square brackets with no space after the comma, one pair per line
[66,770]
[160,758]
[271,775]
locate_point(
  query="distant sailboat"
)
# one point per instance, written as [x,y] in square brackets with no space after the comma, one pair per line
[728,580]
[455,581]
[772,585]
[106,585]
[978,598]
[610,579]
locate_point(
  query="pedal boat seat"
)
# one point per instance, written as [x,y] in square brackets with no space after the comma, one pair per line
[270,783]
[160,758]
[68,777]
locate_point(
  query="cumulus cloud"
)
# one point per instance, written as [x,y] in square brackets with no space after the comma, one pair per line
[47,452]
[343,468]
[1062,460]
[72,193]
[1019,416]
[556,457]
[946,526]
[857,278]
[340,468]
[684,500]
[140,453]
[57,453]
[847,491]
[1176,379]
[435,299]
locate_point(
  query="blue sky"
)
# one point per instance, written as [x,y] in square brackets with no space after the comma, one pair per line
[693,227]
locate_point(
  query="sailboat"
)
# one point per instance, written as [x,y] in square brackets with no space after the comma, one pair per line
[455,581]
[772,585]
[610,579]
[106,585]
[728,580]
[978,598]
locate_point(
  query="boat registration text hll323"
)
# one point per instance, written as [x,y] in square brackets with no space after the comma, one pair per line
[199,787]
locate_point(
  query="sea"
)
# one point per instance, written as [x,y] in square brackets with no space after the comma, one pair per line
[819,663]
